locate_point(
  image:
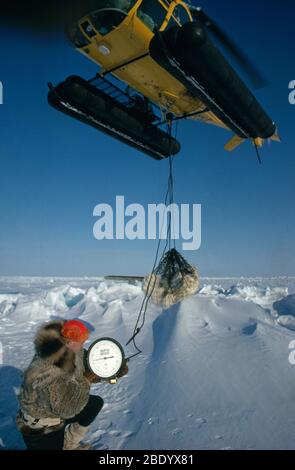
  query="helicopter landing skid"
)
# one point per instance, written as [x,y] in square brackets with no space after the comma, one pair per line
[114,113]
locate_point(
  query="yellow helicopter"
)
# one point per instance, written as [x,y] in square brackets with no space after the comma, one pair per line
[158,63]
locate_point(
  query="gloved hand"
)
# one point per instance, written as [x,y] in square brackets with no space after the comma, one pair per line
[123,371]
[91,377]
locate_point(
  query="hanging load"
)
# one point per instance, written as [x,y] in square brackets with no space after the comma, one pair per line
[172,281]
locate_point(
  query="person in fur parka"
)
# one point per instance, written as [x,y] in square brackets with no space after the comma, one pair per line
[56,407]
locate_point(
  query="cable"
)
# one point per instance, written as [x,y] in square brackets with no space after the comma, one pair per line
[257,152]
[149,292]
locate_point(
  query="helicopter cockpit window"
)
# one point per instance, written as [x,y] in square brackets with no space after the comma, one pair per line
[152,14]
[179,17]
[76,36]
[87,27]
[109,17]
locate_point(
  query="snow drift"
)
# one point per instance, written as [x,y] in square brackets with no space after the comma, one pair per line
[214,372]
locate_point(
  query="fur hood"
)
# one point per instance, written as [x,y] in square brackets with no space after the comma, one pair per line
[51,346]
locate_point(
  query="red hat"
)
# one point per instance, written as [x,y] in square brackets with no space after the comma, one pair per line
[75,330]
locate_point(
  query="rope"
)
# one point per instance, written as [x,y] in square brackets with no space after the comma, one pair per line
[257,152]
[149,292]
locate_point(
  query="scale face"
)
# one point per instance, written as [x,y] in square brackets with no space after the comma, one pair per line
[105,358]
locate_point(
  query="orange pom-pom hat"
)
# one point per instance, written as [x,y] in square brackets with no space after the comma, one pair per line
[75,330]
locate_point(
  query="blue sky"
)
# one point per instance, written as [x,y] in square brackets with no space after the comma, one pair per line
[54,170]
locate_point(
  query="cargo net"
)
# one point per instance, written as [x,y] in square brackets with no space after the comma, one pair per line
[173,280]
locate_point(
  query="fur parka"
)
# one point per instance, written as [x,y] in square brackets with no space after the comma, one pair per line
[54,385]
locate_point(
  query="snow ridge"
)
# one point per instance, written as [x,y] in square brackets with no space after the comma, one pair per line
[214,372]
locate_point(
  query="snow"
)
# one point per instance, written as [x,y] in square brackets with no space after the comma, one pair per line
[214,372]
[286,306]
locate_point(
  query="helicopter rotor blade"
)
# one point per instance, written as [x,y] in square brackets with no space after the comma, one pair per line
[238,55]
[42,16]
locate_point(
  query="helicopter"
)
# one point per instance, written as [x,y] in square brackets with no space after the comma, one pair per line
[159,61]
